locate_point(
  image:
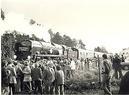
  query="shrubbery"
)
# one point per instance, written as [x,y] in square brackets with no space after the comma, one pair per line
[82,80]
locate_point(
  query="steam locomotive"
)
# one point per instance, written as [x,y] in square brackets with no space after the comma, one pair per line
[33,48]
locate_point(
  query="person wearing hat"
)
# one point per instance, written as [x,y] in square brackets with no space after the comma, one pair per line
[27,77]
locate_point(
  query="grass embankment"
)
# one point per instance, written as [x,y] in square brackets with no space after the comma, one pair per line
[82,81]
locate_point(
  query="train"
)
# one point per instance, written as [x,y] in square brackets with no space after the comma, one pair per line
[33,48]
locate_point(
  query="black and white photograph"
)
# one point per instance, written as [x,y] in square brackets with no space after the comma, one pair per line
[64,47]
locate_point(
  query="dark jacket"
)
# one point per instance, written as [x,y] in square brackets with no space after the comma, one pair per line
[36,74]
[124,85]
[48,76]
[59,77]
[116,63]
[5,77]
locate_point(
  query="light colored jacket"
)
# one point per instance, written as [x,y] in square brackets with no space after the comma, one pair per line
[73,65]
[27,74]
[12,76]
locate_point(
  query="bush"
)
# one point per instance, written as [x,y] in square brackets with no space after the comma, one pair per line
[82,80]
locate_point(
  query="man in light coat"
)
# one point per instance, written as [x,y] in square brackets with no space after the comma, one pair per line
[27,77]
[106,68]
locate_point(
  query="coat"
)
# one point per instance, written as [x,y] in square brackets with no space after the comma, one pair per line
[116,63]
[124,85]
[48,76]
[36,74]
[27,74]
[12,76]
[59,77]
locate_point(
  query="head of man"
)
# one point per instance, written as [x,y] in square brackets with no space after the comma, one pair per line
[50,65]
[104,56]
[26,63]
[36,65]
[58,67]
[116,55]
[4,63]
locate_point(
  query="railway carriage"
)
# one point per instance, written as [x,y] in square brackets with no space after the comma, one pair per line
[82,54]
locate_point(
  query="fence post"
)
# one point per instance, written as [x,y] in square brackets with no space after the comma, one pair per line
[99,70]
[88,63]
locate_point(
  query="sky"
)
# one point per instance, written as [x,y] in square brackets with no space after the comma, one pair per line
[96,22]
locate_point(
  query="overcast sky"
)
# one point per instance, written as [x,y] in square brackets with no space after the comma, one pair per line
[96,22]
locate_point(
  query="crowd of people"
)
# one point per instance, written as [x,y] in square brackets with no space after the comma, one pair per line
[115,64]
[44,76]
[124,84]
[47,76]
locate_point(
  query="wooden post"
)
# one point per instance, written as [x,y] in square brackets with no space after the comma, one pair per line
[87,60]
[99,70]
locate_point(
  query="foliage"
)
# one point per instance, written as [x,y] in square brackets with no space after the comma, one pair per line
[82,80]
[81,44]
[57,39]
[74,42]
[65,40]
[101,49]
[7,45]
[8,41]
[51,33]
[34,37]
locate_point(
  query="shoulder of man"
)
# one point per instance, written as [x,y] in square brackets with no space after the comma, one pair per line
[107,63]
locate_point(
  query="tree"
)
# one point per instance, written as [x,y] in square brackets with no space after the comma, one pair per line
[81,44]
[15,33]
[7,45]
[74,42]
[104,50]
[51,34]
[67,41]
[97,49]
[57,38]
[35,38]
[101,49]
